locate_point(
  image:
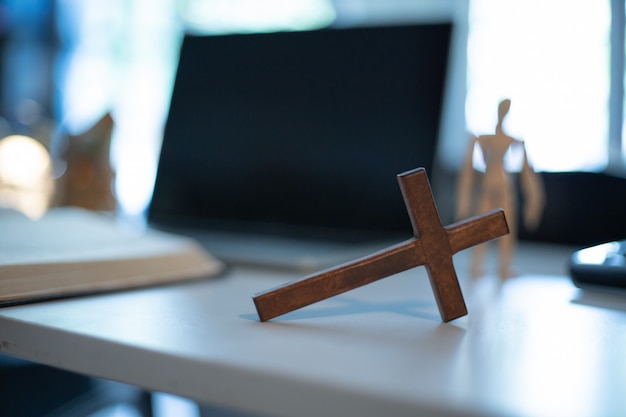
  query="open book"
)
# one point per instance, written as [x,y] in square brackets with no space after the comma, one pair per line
[71,252]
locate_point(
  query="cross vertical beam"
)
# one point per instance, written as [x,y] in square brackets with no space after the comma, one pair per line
[433,246]
[420,204]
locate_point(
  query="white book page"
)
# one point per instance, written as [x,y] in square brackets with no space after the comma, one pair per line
[77,235]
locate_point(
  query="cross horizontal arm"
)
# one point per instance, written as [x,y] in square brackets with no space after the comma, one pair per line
[476,230]
[333,281]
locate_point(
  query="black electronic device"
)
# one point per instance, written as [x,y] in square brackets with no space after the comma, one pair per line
[600,266]
[300,134]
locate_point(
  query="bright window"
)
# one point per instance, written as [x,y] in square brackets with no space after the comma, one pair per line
[551,58]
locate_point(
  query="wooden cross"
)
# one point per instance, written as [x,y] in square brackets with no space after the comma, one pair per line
[432,245]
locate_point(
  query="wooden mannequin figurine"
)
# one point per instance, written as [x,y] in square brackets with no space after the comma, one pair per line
[497,190]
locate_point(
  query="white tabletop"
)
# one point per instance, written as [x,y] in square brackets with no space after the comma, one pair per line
[535,346]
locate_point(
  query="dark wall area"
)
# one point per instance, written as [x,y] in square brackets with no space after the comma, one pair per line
[582,208]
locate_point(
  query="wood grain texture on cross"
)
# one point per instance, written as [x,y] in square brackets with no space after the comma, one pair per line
[432,245]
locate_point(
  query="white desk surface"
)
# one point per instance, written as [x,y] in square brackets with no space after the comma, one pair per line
[536,346]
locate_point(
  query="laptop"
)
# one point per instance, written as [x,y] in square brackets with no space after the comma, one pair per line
[282,149]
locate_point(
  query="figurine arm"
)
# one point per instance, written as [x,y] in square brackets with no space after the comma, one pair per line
[533,194]
[466,183]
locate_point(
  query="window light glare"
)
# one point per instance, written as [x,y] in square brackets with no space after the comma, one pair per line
[242,16]
[597,255]
[554,66]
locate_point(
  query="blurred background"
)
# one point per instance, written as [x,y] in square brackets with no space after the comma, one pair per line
[66,64]
[90,81]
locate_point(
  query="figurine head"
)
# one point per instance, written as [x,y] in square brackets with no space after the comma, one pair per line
[503,109]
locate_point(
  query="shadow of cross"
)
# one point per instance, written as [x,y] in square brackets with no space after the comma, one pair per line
[432,245]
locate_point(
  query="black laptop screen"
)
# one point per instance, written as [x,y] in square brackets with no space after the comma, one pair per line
[301,132]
